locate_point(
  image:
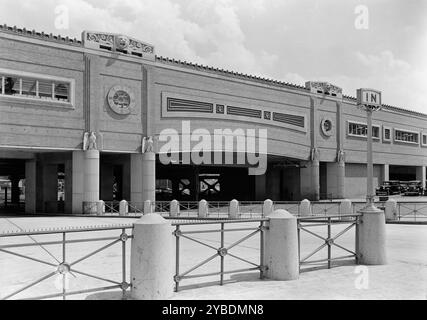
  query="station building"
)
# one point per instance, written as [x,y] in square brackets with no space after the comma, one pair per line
[80,121]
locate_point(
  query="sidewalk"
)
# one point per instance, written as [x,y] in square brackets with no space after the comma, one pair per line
[405,277]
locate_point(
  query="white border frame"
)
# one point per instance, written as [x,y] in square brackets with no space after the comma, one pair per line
[391,133]
[363,123]
[409,131]
[423,134]
[37,76]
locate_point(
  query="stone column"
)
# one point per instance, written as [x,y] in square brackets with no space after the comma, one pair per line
[336,176]
[149,176]
[281,247]
[315,180]
[341,180]
[174,209]
[390,210]
[371,237]
[85,183]
[30,186]
[136,181]
[234,209]
[152,258]
[310,177]
[385,172]
[91,177]
[78,181]
[267,208]
[421,175]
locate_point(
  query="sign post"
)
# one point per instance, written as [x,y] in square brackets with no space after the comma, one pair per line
[371,233]
[369,100]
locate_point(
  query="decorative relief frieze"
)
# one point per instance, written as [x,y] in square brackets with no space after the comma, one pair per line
[183,105]
[220,108]
[177,105]
[324,88]
[117,43]
[246,112]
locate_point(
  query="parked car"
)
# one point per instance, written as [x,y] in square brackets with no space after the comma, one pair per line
[404,186]
[388,188]
[414,188]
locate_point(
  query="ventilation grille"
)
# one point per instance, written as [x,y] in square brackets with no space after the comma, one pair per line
[289,119]
[236,111]
[180,105]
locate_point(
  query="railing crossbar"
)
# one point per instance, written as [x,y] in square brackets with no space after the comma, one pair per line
[197,241]
[219,230]
[242,259]
[27,257]
[218,273]
[47,243]
[94,276]
[32,284]
[326,259]
[94,252]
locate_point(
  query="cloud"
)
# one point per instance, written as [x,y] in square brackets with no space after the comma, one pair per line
[402,84]
[290,41]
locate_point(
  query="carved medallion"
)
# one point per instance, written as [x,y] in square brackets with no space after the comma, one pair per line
[327,126]
[121,99]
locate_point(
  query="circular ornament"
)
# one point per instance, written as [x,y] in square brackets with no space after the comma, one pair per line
[327,126]
[121,99]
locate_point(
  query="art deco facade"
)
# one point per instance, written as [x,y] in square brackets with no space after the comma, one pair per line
[78,112]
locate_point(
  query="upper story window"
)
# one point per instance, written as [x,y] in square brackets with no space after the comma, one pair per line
[25,85]
[359,129]
[406,136]
[424,140]
[386,134]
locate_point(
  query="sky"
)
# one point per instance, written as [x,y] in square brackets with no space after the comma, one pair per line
[379,44]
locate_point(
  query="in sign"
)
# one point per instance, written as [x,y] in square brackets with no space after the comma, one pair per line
[369,97]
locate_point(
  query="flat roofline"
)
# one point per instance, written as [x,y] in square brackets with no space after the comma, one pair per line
[49,37]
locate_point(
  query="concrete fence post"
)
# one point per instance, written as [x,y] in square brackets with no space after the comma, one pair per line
[391,209]
[234,209]
[100,207]
[174,208]
[267,208]
[371,246]
[148,208]
[345,208]
[305,208]
[123,208]
[281,246]
[203,209]
[152,255]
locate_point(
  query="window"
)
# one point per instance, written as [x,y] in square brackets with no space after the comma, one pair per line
[358,129]
[387,134]
[424,140]
[34,87]
[406,136]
